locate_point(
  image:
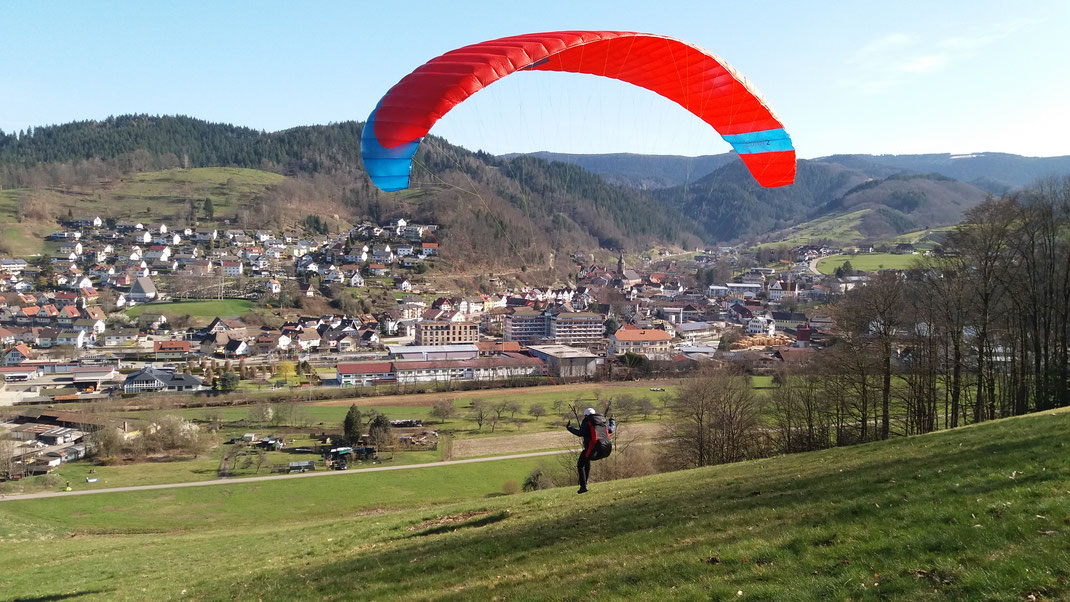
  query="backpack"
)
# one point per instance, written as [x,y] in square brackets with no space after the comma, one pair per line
[600,444]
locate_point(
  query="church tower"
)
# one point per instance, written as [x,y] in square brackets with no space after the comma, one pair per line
[620,264]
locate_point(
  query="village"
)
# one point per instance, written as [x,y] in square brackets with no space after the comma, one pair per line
[100,319]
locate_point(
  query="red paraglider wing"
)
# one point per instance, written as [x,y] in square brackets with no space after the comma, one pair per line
[690,76]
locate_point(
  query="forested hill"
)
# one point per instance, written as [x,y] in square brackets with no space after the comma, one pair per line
[497,211]
[994,172]
[194,142]
[730,205]
[645,172]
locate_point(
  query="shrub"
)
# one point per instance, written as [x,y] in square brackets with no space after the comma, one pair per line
[538,479]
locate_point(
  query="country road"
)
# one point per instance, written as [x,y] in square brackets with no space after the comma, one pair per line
[303,475]
[813,265]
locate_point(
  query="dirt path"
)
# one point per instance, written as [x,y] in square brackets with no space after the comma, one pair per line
[429,399]
[467,448]
[239,481]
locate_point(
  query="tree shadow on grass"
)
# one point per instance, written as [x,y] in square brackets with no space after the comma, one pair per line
[479,522]
[47,597]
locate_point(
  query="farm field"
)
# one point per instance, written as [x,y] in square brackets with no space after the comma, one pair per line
[326,417]
[975,513]
[579,395]
[869,262]
[558,438]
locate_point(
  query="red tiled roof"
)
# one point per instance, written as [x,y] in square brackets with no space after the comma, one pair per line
[641,335]
[171,346]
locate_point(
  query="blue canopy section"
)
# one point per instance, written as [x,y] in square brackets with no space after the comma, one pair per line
[388,167]
[765,141]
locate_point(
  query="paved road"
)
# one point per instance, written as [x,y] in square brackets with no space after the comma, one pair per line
[813,265]
[303,475]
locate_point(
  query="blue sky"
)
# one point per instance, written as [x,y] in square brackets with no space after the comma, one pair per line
[891,77]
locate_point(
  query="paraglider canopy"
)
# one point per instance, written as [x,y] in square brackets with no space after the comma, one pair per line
[686,74]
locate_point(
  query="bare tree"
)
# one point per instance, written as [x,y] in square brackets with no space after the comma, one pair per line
[802,412]
[443,409]
[7,460]
[480,413]
[513,407]
[714,419]
[983,241]
[499,409]
[874,313]
[537,410]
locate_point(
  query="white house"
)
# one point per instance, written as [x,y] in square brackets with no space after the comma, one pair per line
[307,339]
[232,267]
[74,338]
[781,289]
[761,325]
[143,290]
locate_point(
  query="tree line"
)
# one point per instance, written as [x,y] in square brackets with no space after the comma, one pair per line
[978,331]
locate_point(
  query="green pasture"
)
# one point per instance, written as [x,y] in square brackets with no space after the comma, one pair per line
[869,262]
[223,308]
[976,513]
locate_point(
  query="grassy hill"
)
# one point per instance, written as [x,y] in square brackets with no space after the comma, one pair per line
[906,203]
[893,210]
[976,513]
[494,212]
[841,227]
[146,196]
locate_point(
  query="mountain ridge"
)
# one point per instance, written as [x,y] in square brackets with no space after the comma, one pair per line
[529,207]
[498,211]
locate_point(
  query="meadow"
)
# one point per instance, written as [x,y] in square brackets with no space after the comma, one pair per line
[869,262]
[298,421]
[211,308]
[980,512]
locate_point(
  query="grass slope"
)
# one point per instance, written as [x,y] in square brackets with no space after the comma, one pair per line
[838,228]
[223,308]
[148,196]
[976,513]
[869,262]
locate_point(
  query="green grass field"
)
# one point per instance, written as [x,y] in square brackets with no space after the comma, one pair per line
[869,262]
[223,308]
[307,418]
[977,513]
